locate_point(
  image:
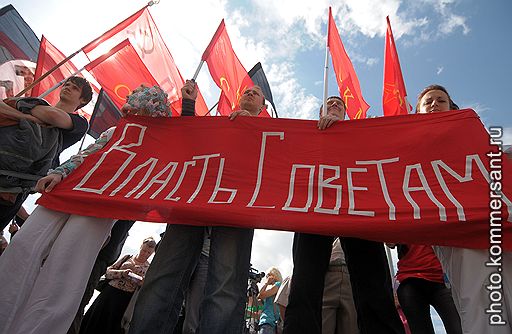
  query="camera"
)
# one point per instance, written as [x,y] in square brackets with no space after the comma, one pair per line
[255,275]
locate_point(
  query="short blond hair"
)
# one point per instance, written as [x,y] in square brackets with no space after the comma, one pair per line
[150,242]
[276,273]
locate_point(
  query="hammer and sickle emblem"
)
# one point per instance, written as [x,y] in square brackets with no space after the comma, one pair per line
[223,80]
[143,40]
[119,87]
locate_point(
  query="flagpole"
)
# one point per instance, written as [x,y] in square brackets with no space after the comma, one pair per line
[197,70]
[326,68]
[209,111]
[50,71]
[58,84]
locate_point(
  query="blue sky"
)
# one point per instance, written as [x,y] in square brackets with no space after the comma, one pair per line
[463,45]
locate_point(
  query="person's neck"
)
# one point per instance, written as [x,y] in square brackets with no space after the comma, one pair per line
[254,112]
[67,107]
[138,259]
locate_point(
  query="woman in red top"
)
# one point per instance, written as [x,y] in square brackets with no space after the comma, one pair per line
[421,285]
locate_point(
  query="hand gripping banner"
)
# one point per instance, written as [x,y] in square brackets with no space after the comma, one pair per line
[423,179]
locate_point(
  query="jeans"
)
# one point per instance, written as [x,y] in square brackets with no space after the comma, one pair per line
[416,295]
[195,295]
[369,277]
[222,310]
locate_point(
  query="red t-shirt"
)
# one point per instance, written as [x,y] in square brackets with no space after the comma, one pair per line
[421,262]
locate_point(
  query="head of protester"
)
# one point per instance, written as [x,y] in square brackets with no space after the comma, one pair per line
[146,250]
[434,98]
[252,102]
[76,92]
[147,101]
[336,111]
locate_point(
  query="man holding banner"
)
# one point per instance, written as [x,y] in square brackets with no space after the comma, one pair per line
[222,310]
[366,262]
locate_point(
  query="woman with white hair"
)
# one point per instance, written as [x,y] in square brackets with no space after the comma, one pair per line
[270,315]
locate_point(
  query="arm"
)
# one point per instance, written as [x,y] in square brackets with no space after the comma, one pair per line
[53,116]
[189,94]
[56,175]
[114,271]
[11,113]
[265,292]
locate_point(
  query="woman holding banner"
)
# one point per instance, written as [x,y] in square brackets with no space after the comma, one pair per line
[473,277]
[46,267]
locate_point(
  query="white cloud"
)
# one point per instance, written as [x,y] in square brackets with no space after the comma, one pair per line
[507,136]
[439,70]
[272,249]
[291,98]
[449,20]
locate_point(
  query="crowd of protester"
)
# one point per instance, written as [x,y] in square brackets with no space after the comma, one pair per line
[198,279]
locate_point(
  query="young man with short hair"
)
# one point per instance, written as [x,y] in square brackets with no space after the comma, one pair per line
[40,146]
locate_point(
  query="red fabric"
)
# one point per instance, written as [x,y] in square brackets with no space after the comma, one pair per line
[420,262]
[11,47]
[120,71]
[143,34]
[394,95]
[48,57]
[226,70]
[291,203]
[348,84]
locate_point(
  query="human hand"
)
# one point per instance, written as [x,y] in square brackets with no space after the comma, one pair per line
[13,228]
[126,273]
[237,113]
[326,121]
[48,182]
[271,279]
[189,90]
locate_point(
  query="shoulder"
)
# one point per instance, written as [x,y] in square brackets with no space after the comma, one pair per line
[80,124]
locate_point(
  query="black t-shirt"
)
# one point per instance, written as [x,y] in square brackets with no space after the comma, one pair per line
[71,136]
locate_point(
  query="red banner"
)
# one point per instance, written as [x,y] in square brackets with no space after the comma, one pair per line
[143,34]
[226,70]
[285,174]
[394,95]
[48,57]
[120,71]
[348,83]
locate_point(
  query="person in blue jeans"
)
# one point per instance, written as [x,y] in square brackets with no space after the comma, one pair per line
[270,314]
[222,309]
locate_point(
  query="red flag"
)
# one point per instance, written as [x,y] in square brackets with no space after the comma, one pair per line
[143,34]
[394,95]
[348,84]
[48,57]
[120,71]
[226,70]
